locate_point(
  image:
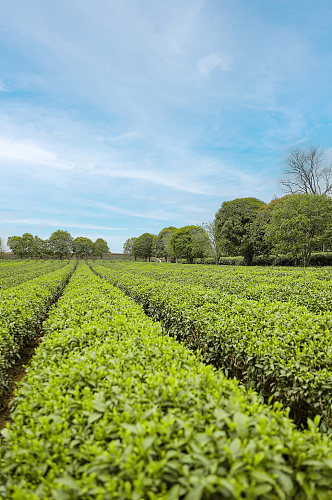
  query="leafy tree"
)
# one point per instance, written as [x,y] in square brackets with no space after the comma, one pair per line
[190,242]
[82,247]
[23,246]
[128,246]
[100,247]
[210,229]
[233,226]
[16,245]
[306,172]
[61,243]
[144,246]
[41,248]
[259,227]
[299,224]
[163,247]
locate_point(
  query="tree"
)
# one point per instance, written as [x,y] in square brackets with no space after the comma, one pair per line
[163,247]
[23,246]
[128,246]
[41,248]
[2,247]
[16,245]
[260,225]
[306,172]
[100,247]
[144,245]
[233,226]
[61,242]
[190,242]
[299,224]
[82,247]
[210,229]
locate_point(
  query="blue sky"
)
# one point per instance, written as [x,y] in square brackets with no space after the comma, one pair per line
[120,117]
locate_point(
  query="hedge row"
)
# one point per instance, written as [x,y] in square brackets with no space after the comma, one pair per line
[22,308]
[113,408]
[317,259]
[282,351]
[311,288]
[15,275]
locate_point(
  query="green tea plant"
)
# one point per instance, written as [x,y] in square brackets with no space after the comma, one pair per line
[22,309]
[15,275]
[114,408]
[282,350]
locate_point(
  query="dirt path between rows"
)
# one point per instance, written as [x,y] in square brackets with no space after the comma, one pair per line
[16,373]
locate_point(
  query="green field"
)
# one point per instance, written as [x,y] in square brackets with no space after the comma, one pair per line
[164,381]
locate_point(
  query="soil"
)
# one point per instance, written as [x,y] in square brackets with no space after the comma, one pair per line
[15,375]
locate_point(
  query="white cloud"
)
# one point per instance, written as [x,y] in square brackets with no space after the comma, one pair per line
[26,152]
[2,86]
[131,213]
[213,61]
[46,222]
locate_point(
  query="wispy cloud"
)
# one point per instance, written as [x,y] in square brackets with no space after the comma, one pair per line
[51,223]
[157,112]
[213,61]
[2,86]
[131,213]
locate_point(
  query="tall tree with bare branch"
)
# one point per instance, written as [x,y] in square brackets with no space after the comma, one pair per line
[307,172]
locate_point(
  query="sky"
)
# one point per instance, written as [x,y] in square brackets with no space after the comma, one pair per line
[119,117]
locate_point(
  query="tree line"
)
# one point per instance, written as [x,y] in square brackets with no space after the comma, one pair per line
[294,225]
[59,245]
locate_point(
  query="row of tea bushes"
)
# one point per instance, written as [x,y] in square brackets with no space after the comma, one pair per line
[283,351]
[15,275]
[311,288]
[112,408]
[22,308]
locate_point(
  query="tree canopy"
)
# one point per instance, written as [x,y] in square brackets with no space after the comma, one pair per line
[100,247]
[82,247]
[128,246]
[299,224]
[61,243]
[144,246]
[190,242]
[233,226]
[163,246]
[23,246]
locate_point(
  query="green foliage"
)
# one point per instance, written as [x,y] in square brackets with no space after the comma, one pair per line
[82,247]
[61,243]
[260,226]
[23,246]
[190,242]
[144,246]
[281,349]
[233,223]
[211,231]
[22,308]
[113,408]
[15,275]
[128,246]
[100,247]
[163,246]
[299,224]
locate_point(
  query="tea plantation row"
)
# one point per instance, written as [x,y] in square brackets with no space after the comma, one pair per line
[280,349]
[308,287]
[113,408]
[13,275]
[22,309]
